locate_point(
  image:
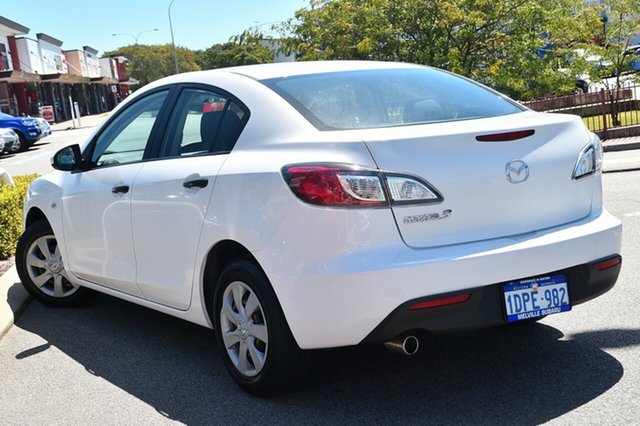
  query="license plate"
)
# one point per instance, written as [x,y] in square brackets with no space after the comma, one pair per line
[536,297]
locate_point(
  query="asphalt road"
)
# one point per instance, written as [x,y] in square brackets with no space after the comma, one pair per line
[37,159]
[116,363]
[621,160]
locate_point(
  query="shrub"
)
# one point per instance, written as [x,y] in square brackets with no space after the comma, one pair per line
[11,200]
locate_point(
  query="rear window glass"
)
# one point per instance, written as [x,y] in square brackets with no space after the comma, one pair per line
[390,97]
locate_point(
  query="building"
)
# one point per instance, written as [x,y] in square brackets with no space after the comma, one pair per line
[37,75]
[13,91]
[278,55]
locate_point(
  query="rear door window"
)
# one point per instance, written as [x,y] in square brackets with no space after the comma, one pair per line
[203,122]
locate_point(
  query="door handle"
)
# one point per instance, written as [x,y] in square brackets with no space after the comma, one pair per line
[120,189]
[196,183]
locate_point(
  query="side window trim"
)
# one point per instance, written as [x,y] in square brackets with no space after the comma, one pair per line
[157,130]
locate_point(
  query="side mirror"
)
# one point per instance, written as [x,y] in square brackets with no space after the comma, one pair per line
[67,159]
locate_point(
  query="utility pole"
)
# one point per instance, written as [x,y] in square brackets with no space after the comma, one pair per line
[173,43]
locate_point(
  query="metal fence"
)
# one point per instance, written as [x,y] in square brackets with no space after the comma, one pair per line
[603,111]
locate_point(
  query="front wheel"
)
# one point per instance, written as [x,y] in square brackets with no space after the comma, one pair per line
[254,339]
[42,270]
[19,145]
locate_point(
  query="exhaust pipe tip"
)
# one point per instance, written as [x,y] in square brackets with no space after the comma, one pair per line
[408,345]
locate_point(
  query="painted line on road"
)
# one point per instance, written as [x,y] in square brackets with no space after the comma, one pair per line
[632,214]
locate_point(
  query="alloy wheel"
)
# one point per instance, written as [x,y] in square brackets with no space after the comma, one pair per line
[46,268]
[244,328]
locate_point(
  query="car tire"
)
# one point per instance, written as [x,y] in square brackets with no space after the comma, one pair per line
[257,346]
[41,269]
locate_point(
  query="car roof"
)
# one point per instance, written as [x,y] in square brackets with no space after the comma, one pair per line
[278,70]
[288,69]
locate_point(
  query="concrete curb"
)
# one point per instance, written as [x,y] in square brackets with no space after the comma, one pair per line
[621,147]
[13,299]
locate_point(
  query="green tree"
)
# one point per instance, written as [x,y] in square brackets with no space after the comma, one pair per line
[151,62]
[620,23]
[243,49]
[495,42]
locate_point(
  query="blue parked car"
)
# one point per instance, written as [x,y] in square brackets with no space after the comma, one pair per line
[26,127]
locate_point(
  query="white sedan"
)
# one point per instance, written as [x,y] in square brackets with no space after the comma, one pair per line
[8,138]
[299,206]
[44,126]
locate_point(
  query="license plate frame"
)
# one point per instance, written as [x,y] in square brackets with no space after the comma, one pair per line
[536,297]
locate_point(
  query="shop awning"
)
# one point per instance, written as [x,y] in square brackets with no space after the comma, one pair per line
[104,80]
[64,78]
[18,77]
[130,82]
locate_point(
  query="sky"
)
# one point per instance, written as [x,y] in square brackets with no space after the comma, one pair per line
[197,24]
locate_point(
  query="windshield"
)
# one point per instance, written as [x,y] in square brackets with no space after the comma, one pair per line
[389,97]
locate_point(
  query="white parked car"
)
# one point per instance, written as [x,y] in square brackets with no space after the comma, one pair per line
[8,138]
[44,126]
[299,206]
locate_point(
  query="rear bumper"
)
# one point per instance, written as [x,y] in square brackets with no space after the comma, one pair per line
[485,307]
[332,296]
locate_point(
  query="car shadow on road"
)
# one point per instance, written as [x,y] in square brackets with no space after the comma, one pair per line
[524,375]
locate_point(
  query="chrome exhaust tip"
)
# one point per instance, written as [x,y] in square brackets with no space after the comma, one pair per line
[408,345]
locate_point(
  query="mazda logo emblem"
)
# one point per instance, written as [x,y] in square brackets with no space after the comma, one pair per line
[517,171]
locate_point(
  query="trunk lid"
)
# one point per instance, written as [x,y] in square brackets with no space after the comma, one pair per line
[480,202]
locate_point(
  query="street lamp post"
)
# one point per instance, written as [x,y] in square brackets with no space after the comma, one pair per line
[173,43]
[135,37]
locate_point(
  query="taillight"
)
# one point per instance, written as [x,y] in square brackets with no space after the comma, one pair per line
[344,185]
[407,189]
[589,161]
[335,186]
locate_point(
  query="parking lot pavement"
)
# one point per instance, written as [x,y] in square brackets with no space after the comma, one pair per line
[621,161]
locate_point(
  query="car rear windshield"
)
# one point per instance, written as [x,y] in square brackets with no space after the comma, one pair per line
[389,97]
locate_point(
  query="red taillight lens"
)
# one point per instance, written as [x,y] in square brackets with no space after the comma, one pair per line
[443,301]
[335,186]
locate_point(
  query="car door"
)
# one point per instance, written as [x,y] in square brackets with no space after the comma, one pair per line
[171,194]
[96,202]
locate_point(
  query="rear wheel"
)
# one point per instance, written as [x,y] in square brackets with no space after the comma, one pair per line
[254,339]
[42,271]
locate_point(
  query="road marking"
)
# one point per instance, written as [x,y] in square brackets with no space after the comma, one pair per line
[632,214]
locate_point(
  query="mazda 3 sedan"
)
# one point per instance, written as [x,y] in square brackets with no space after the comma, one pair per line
[292,207]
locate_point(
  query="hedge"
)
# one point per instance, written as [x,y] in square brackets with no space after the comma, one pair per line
[11,200]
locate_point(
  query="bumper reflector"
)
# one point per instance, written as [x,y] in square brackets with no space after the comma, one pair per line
[610,263]
[444,301]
